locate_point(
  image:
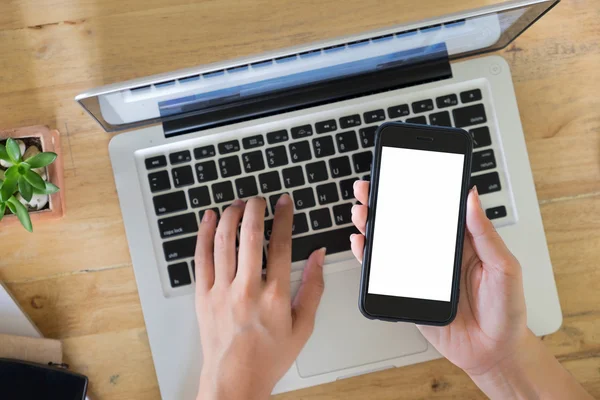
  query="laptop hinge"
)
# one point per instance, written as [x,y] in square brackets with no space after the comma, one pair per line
[417,66]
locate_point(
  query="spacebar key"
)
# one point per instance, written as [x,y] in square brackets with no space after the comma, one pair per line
[336,241]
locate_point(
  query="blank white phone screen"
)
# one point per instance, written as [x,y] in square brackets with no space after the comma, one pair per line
[416,224]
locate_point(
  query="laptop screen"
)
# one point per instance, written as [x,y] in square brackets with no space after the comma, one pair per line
[151,100]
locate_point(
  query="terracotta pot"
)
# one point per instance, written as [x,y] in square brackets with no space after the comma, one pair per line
[50,142]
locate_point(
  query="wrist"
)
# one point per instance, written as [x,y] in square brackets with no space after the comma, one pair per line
[509,377]
[219,387]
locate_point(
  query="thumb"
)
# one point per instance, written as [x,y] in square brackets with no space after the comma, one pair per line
[306,302]
[487,243]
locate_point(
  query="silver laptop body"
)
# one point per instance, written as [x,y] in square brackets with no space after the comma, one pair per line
[301,121]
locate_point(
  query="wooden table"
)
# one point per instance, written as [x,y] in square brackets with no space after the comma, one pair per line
[74,277]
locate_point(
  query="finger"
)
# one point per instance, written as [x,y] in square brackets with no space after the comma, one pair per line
[225,255]
[487,243]
[306,302]
[361,191]
[251,243]
[203,259]
[279,259]
[359,217]
[357,244]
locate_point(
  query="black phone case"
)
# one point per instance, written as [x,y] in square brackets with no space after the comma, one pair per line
[369,227]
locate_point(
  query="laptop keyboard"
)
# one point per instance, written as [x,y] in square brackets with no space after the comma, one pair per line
[316,163]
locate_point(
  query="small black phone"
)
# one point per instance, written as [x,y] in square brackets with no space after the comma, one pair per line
[416,224]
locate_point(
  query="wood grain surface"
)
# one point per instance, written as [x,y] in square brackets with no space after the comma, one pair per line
[74,277]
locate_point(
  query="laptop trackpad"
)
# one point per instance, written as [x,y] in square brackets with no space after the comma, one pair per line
[343,338]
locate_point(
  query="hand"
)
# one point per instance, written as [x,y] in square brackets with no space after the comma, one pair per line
[491,322]
[251,332]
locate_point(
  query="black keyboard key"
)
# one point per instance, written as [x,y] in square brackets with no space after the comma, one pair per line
[320,219]
[481,137]
[180,157]
[215,209]
[303,198]
[269,182]
[366,178]
[347,188]
[273,201]
[346,141]
[367,136]
[440,119]
[422,106]
[301,131]
[268,229]
[417,120]
[159,181]
[470,95]
[276,156]
[293,177]
[156,162]
[342,214]
[206,171]
[471,115]
[496,212]
[277,136]
[299,224]
[183,176]
[246,186]
[230,166]
[253,161]
[446,101]
[398,111]
[335,241]
[362,161]
[199,197]
[300,151]
[178,225]
[204,152]
[179,275]
[374,116]
[486,183]
[181,248]
[350,121]
[222,192]
[169,203]
[483,160]
[323,146]
[339,167]
[229,147]
[253,142]
[327,193]
[326,126]
[316,172]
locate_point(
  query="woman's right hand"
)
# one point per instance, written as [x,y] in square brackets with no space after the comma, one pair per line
[491,323]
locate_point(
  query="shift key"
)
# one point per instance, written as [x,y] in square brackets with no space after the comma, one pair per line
[178,249]
[486,183]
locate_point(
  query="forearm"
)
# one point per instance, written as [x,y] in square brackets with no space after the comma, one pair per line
[213,387]
[532,373]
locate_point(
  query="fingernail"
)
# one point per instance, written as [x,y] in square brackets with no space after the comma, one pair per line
[353,208]
[238,203]
[476,192]
[284,200]
[208,214]
[321,256]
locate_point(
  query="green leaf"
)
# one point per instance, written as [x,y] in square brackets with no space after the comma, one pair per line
[25,189]
[49,189]
[3,154]
[12,148]
[8,188]
[12,172]
[41,160]
[2,210]
[35,180]
[21,212]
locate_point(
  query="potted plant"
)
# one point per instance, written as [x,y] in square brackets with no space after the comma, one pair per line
[29,176]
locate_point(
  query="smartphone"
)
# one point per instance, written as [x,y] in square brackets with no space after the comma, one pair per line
[416,224]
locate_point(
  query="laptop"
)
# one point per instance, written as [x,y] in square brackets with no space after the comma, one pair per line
[302,121]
